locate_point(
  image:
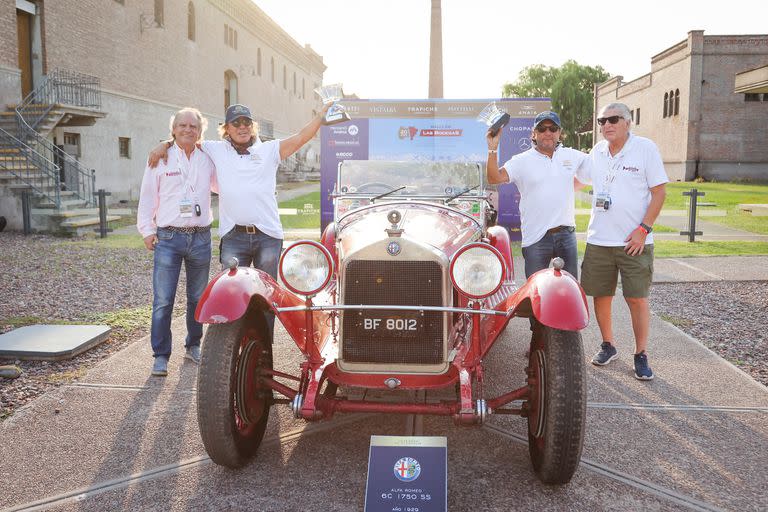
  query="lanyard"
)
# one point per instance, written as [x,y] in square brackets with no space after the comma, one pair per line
[185,167]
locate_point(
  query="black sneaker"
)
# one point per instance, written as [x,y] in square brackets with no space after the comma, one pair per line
[607,354]
[642,370]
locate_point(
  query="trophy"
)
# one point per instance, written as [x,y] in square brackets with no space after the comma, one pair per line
[494,117]
[331,94]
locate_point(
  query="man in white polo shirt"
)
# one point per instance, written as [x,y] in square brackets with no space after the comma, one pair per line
[628,179]
[174,217]
[546,176]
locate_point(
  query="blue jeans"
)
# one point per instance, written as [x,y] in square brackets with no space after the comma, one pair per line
[194,250]
[562,244]
[260,249]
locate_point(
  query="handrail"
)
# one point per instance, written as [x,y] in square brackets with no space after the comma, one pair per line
[68,88]
[21,168]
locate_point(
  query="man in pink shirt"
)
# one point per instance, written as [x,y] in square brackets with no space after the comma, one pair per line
[175,218]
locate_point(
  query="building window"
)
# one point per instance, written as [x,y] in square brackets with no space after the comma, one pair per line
[159,13]
[230,36]
[272,68]
[303,89]
[121,2]
[637,116]
[666,103]
[72,144]
[632,115]
[258,61]
[230,88]
[124,144]
[677,101]
[752,96]
[285,77]
[294,82]
[191,21]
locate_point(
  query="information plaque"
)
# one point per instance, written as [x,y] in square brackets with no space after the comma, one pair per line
[407,474]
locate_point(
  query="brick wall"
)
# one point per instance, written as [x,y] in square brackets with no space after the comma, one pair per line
[9,55]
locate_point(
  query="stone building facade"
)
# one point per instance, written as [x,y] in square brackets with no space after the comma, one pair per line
[688,105]
[153,57]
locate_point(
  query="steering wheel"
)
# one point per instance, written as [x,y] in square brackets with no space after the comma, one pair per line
[374,187]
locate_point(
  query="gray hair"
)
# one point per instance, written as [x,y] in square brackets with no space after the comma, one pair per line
[625,113]
[201,121]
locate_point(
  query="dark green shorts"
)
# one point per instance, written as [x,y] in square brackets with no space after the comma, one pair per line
[602,265]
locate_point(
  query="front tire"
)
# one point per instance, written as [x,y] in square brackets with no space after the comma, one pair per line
[558,403]
[232,407]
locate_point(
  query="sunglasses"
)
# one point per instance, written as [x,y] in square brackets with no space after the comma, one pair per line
[552,128]
[243,121]
[612,119]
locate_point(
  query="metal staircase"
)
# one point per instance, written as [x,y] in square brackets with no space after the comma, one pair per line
[62,188]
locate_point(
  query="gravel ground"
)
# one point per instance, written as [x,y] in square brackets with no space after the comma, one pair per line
[79,281]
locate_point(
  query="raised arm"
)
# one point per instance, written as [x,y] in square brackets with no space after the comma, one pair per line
[493,174]
[293,143]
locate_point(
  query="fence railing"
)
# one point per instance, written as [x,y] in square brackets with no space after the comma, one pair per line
[31,167]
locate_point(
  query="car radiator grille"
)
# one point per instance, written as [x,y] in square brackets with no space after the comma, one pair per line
[388,336]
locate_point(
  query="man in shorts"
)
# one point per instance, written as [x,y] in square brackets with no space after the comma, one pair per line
[628,181]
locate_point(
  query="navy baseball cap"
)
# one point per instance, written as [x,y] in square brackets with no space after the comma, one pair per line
[237,110]
[543,116]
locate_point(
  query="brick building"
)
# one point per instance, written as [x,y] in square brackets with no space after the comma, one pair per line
[151,58]
[704,105]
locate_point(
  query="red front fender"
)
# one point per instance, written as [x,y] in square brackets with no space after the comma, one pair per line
[557,300]
[230,294]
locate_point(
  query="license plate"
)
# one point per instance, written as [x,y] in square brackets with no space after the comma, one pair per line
[400,325]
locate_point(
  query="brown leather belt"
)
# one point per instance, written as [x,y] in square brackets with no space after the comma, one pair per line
[250,229]
[561,229]
[187,229]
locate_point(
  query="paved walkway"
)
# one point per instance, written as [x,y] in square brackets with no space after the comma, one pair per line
[695,438]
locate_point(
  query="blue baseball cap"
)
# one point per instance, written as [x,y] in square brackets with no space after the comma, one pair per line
[543,116]
[235,111]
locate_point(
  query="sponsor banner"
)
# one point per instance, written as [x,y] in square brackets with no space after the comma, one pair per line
[429,130]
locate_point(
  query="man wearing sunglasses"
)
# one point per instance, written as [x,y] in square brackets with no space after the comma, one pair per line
[546,176]
[246,172]
[628,179]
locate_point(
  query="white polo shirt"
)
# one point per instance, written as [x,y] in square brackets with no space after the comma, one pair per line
[546,189]
[179,179]
[247,185]
[627,177]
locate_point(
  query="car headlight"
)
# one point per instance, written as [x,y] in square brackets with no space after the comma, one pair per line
[477,270]
[306,267]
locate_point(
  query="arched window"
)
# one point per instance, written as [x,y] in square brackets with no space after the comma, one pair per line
[294,82]
[671,107]
[191,21]
[258,61]
[230,88]
[285,77]
[666,103]
[272,68]
[677,101]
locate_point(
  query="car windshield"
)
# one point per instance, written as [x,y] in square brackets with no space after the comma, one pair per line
[430,179]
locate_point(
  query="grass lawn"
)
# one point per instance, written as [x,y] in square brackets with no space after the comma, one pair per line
[680,249]
[726,196]
[307,212]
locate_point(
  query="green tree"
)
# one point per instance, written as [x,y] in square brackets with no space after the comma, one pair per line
[571,89]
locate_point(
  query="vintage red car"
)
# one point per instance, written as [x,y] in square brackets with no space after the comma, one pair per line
[408,289]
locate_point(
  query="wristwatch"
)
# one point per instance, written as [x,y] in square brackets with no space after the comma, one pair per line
[646,228]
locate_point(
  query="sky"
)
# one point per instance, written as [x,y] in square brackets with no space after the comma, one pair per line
[380,49]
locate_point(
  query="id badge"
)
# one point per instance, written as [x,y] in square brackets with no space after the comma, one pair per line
[602,202]
[185,208]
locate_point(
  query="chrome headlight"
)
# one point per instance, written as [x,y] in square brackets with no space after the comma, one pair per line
[306,267]
[477,270]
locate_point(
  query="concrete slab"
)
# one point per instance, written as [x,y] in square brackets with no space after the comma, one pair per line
[713,268]
[51,342]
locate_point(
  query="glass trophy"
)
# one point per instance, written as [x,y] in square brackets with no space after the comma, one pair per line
[331,94]
[494,117]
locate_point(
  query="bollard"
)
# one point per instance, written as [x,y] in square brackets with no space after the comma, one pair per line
[26,211]
[694,194]
[103,229]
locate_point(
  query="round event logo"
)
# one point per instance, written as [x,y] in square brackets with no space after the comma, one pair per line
[352,130]
[393,248]
[407,469]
